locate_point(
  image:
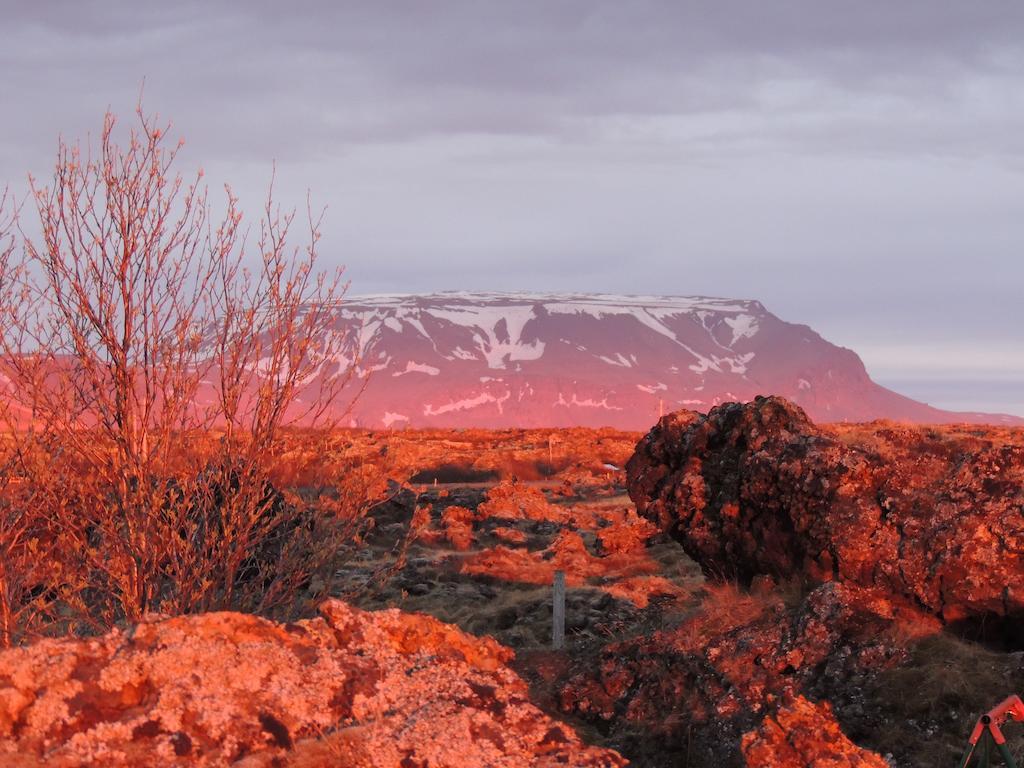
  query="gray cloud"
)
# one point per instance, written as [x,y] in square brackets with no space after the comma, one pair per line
[856,166]
[333,73]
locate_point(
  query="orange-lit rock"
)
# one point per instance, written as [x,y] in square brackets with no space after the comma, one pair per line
[627,575]
[756,488]
[802,734]
[350,688]
[639,590]
[731,663]
[509,535]
[513,500]
[458,526]
[580,456]
[627,534]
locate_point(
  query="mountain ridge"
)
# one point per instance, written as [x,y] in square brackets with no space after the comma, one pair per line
[530,359]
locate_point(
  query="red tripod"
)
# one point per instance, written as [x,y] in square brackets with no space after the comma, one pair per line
[987,732]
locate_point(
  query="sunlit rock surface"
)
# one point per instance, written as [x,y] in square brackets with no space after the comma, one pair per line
[350,688]
[756,488]
[802,734]
[726,669]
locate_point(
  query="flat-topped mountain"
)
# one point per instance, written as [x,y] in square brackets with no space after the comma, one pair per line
[467,359]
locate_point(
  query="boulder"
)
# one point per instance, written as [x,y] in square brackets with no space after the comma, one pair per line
[348,688]
[802,734]
[756,488]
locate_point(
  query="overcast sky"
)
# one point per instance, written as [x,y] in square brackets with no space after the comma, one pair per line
[857,166]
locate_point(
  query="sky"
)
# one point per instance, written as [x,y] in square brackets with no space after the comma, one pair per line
[855,166]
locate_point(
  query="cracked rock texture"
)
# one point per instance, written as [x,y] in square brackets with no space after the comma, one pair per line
[730,666]
[756,488]
[349,688]
[802,734]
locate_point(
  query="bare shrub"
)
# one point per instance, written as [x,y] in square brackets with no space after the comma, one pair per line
[151,362]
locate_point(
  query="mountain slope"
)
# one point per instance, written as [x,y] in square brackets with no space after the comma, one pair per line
[493,359]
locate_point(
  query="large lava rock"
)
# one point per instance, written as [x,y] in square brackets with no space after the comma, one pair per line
[350,688]
[756,488]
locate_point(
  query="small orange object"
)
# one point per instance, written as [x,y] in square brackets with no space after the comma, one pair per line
[1011,708]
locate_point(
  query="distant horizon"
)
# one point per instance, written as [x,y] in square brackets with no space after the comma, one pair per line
[960,395]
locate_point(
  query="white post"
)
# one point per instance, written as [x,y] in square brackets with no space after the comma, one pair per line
[558,611]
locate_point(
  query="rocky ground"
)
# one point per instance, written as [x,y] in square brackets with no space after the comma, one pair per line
[706,661]
[346,689]
[907,545]
[789,595]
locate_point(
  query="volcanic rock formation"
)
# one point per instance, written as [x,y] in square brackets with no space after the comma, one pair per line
[351,688]
[802,733]
[757,488]
[742,664]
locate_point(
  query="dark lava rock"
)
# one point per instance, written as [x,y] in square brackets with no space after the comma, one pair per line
[756,488]
[734,667]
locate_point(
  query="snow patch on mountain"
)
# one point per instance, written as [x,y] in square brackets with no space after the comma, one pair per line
[470,402]
[412,367]
[390,418]
[619,360]
[743,327]
[588,402]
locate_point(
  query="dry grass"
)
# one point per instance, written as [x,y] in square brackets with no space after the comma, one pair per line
[724,607]
[72,558]
[929,706]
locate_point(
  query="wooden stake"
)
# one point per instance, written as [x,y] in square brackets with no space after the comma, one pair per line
[558,611]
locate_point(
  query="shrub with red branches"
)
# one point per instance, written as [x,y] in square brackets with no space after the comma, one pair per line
[153,354]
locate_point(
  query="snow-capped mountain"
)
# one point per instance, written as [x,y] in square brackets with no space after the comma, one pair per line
[522,359]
